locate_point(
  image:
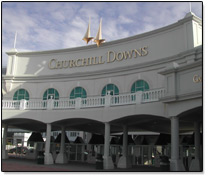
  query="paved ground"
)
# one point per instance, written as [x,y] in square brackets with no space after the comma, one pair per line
[15,164]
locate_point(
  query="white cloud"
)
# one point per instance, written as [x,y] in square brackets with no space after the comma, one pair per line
[124,20]
[55,25]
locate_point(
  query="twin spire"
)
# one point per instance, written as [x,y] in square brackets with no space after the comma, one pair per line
[87,37]
[98,39]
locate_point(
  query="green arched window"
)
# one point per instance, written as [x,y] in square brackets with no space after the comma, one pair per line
[139,85]
[51,92]
[113,89]
[21,94]
[78,92]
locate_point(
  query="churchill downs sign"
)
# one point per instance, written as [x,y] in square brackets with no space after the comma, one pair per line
[111,56]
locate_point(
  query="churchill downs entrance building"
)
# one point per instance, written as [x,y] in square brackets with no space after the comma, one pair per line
[148,86]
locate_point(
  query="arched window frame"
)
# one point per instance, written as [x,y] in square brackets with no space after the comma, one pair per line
[139,85]
[21,94]
[51,92]
[78,92]
[114,90]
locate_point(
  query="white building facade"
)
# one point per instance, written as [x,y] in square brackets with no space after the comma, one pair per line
[148,82]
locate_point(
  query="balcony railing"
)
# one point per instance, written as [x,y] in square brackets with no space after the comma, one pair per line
[89,102]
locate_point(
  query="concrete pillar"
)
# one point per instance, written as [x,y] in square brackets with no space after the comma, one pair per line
[4,143]
[61,157]
[108,163]
[48,159]
[124,161]
[125,141]
[150,154]
[175,163]
[83,152]
[195,163]
[88,148]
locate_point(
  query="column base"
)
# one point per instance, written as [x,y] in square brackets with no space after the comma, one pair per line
[61,159]
[108,163]
[124,162]
[176,165]
[4,154]
[48,159]
[195,165]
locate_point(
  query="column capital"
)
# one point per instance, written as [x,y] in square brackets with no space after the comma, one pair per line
[124,125]
[174,118]
[63,127]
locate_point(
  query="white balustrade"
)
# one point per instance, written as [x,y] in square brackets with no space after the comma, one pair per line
[93,102]
[64,104]
[36,104]
[153,95]
[123,99]
[99,101]
[10,104]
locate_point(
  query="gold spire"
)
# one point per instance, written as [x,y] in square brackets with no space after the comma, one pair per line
[87,37]
[98,40]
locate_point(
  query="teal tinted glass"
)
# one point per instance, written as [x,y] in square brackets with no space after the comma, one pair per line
[21,94]
[22,91]
[110,87]
[139,85]
[51,93]
[84,94]
[116,90]
[78,92]
[103,92]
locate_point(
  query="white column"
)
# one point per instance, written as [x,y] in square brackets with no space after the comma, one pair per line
[48,159]
[195,164]
[87,139]
[197,139]
[150,154]
[4,142]
[124,161]
[108,163]
[174,138]
[125,141]
[61,157]
[175,163]
[83,152]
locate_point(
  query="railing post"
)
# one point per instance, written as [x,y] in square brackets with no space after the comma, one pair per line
[108,99]
[78,103]
[138,97]
[23,104]
[50,103]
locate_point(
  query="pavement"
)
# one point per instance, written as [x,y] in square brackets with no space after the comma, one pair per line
[25,165]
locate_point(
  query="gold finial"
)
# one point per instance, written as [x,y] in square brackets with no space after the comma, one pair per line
[87,37]
[98,40]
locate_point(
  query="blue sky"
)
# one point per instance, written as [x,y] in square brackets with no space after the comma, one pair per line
[57,25]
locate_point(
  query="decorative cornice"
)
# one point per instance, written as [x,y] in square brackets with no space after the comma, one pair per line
[194,64]
[181,97]
[12,52]
[158,62]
